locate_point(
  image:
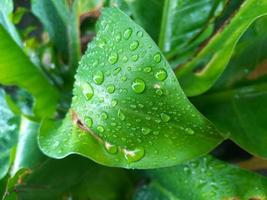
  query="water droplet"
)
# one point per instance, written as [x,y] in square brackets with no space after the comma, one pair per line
[157,57]
[139,34]
[146,131]
[114,102]
[121,115]
[123,78]
[147,69]
[124,59]
[190,131]
[135,57]
[118,37]
[134,45]
[110,88]
[127,33]
[100,128]
[159,92]
[88,122]
[113,58]
[165,117]
[113,149]
[138,85]
[117,70]
[104,115]
[87,91]
[161,75]
[98,77]
[101,43]
[134,155]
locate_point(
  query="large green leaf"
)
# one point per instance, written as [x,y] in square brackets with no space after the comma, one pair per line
[60,179]
[199,75]
[17,69]
[128,109]
[202,179]
[237,103]
[8,134]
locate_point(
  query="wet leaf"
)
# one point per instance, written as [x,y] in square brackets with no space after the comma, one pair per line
[128,109]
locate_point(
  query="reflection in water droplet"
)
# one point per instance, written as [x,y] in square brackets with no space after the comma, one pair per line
[121,115]
[165,117]
[110,88]
[127,33]
[98,77]
[113,149]
[134,45]
[161,75]
[134,155]
[157,57]
[146,131]
[88,91]
[113,58]
[100,128]
[138,85]
[89,122]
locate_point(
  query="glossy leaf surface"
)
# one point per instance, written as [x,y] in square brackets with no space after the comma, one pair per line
[128,109]
[9,125]
[202,179]
[199,75]
[17,69]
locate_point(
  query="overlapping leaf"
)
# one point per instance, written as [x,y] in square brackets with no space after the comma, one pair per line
[202,179]
[128,109]
[199,75]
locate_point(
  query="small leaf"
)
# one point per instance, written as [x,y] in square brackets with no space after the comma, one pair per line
[198,75]
[147,118]
[202,179]
[17,69]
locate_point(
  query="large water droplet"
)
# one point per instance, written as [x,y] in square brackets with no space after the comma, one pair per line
[134,45]
[138,85]
[146,131]
[98,77]
[127,33]
[157,57]
[110,88]
[134,155]
[88,91]
[88,122]
[121,115]
[161,75]
[165,117]
[111,148]
[113,58]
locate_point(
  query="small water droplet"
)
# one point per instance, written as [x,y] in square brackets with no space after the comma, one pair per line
[165,117]
[135,57]
[127,33]
[113,149]
[124,59]
[104,115]
[100,128]
[123,78]
[110,88]
[89,122]
[157,57]
[121,115]
[190,131]
[118,37]
[139,34]
[113,58]
[159,92]
[134,155]
[98,77]
[114,102]
[138,85]
[147,69]
[134,45]
[146,131]
[88,91]
[161,75]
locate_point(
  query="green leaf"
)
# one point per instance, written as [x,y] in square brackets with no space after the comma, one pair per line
[128,109]
[199,75]
[55,179]
[61,21]
[184,21]
[17,69]
[237,103]
[6,9]
[28,155]
[9,124]
[202,179]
